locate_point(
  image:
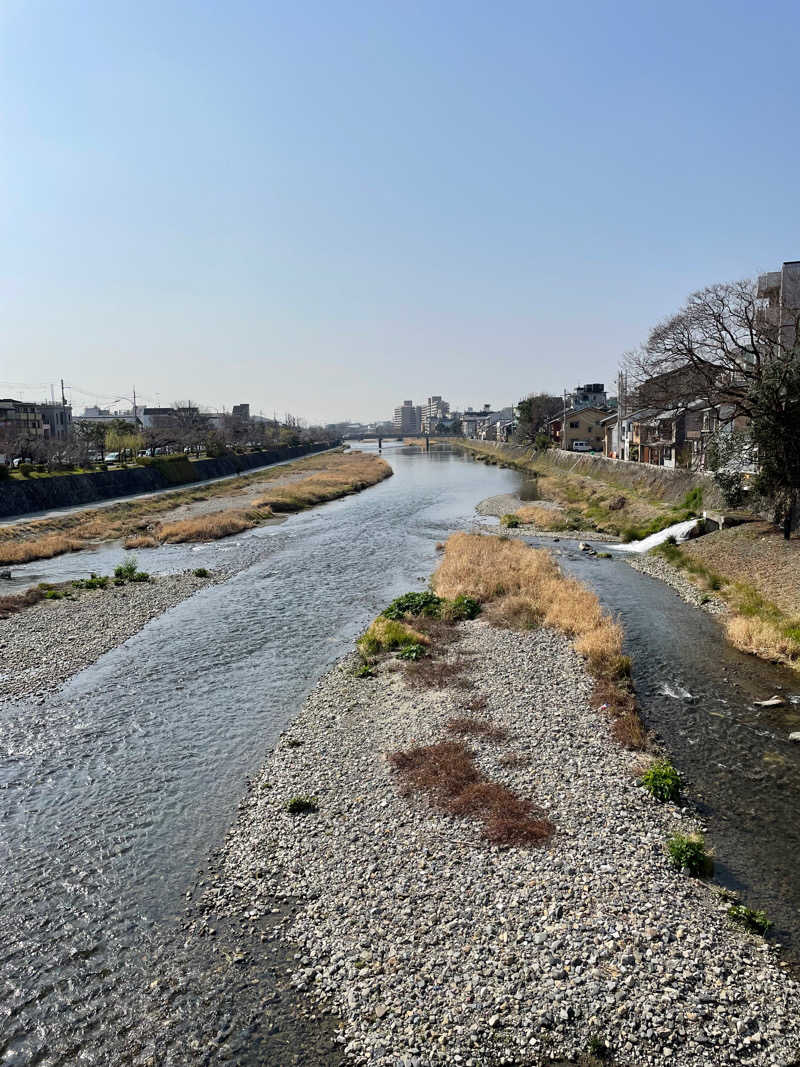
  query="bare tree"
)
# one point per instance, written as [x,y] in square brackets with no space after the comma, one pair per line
[715,349]
[727,348]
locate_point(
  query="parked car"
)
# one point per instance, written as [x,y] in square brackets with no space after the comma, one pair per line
[581,446]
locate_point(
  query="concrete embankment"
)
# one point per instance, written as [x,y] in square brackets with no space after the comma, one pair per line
[432,946]
[40,494]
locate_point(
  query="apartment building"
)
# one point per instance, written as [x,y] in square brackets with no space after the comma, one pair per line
[780,291]
[588,396]
[19,418]
[407,418]
[434,411]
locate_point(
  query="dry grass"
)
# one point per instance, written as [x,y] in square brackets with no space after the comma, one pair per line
[522,586]
[462,726]
[334,474]
[543,518]
[447,774]
[754,554]
[141,541]
[513,612]
[12,605]
[762,638]
[617,700]
[43,548]
[487,567]
[211,527]
[354,471]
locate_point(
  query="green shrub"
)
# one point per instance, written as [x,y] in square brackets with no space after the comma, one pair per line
[754,921]
[94,581]
[302,806]
[693,501]
[511,521]
[689,854]
[364,670]
[428,604]
[201,572]
[127,570]
[597,1047]
[463,607]
[662,781]
[54,594]
[140,576]
[26,469]
[412,652]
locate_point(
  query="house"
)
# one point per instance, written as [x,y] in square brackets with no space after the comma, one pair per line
[610,426]
[583,424]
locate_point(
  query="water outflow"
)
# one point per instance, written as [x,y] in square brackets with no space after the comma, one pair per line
[680,531]
[114,791]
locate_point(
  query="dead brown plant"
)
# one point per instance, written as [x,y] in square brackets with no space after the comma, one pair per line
[447,774]
[462,726]
[439,673]
[12,605]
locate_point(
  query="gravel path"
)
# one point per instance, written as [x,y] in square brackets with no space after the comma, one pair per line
[45,644]
[658,567]
[433,947]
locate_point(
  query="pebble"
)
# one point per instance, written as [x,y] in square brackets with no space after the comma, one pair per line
[431,946]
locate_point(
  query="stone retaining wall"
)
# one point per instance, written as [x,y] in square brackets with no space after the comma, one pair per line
[67,490]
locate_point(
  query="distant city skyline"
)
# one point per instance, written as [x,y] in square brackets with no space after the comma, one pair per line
[323,208]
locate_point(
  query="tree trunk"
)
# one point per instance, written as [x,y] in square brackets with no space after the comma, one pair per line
[788,519]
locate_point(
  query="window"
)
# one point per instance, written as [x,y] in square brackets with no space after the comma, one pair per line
[574,425]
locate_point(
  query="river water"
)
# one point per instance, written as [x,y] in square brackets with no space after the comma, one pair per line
[114,791]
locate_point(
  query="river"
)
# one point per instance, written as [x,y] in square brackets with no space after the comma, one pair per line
[115,790]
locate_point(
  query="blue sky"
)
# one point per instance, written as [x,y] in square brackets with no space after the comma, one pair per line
[326,208]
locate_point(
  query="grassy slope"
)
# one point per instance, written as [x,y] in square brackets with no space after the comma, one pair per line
[757,574]
[599,502]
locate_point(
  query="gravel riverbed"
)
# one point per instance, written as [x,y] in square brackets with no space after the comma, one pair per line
[47,643]
[431,946]
[658,567]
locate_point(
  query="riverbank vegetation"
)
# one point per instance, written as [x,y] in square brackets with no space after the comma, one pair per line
[756,624]
[522,587]
[146,523]
[592,498]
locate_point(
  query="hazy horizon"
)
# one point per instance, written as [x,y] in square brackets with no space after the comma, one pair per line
[329,209]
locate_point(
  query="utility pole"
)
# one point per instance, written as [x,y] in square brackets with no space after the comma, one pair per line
[63,398]
[134,405]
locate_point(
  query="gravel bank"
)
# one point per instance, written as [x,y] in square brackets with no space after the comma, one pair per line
[45,644]
[658,567]
[507,503]
[434,948]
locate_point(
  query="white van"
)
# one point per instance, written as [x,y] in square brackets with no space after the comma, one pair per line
[581,446]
